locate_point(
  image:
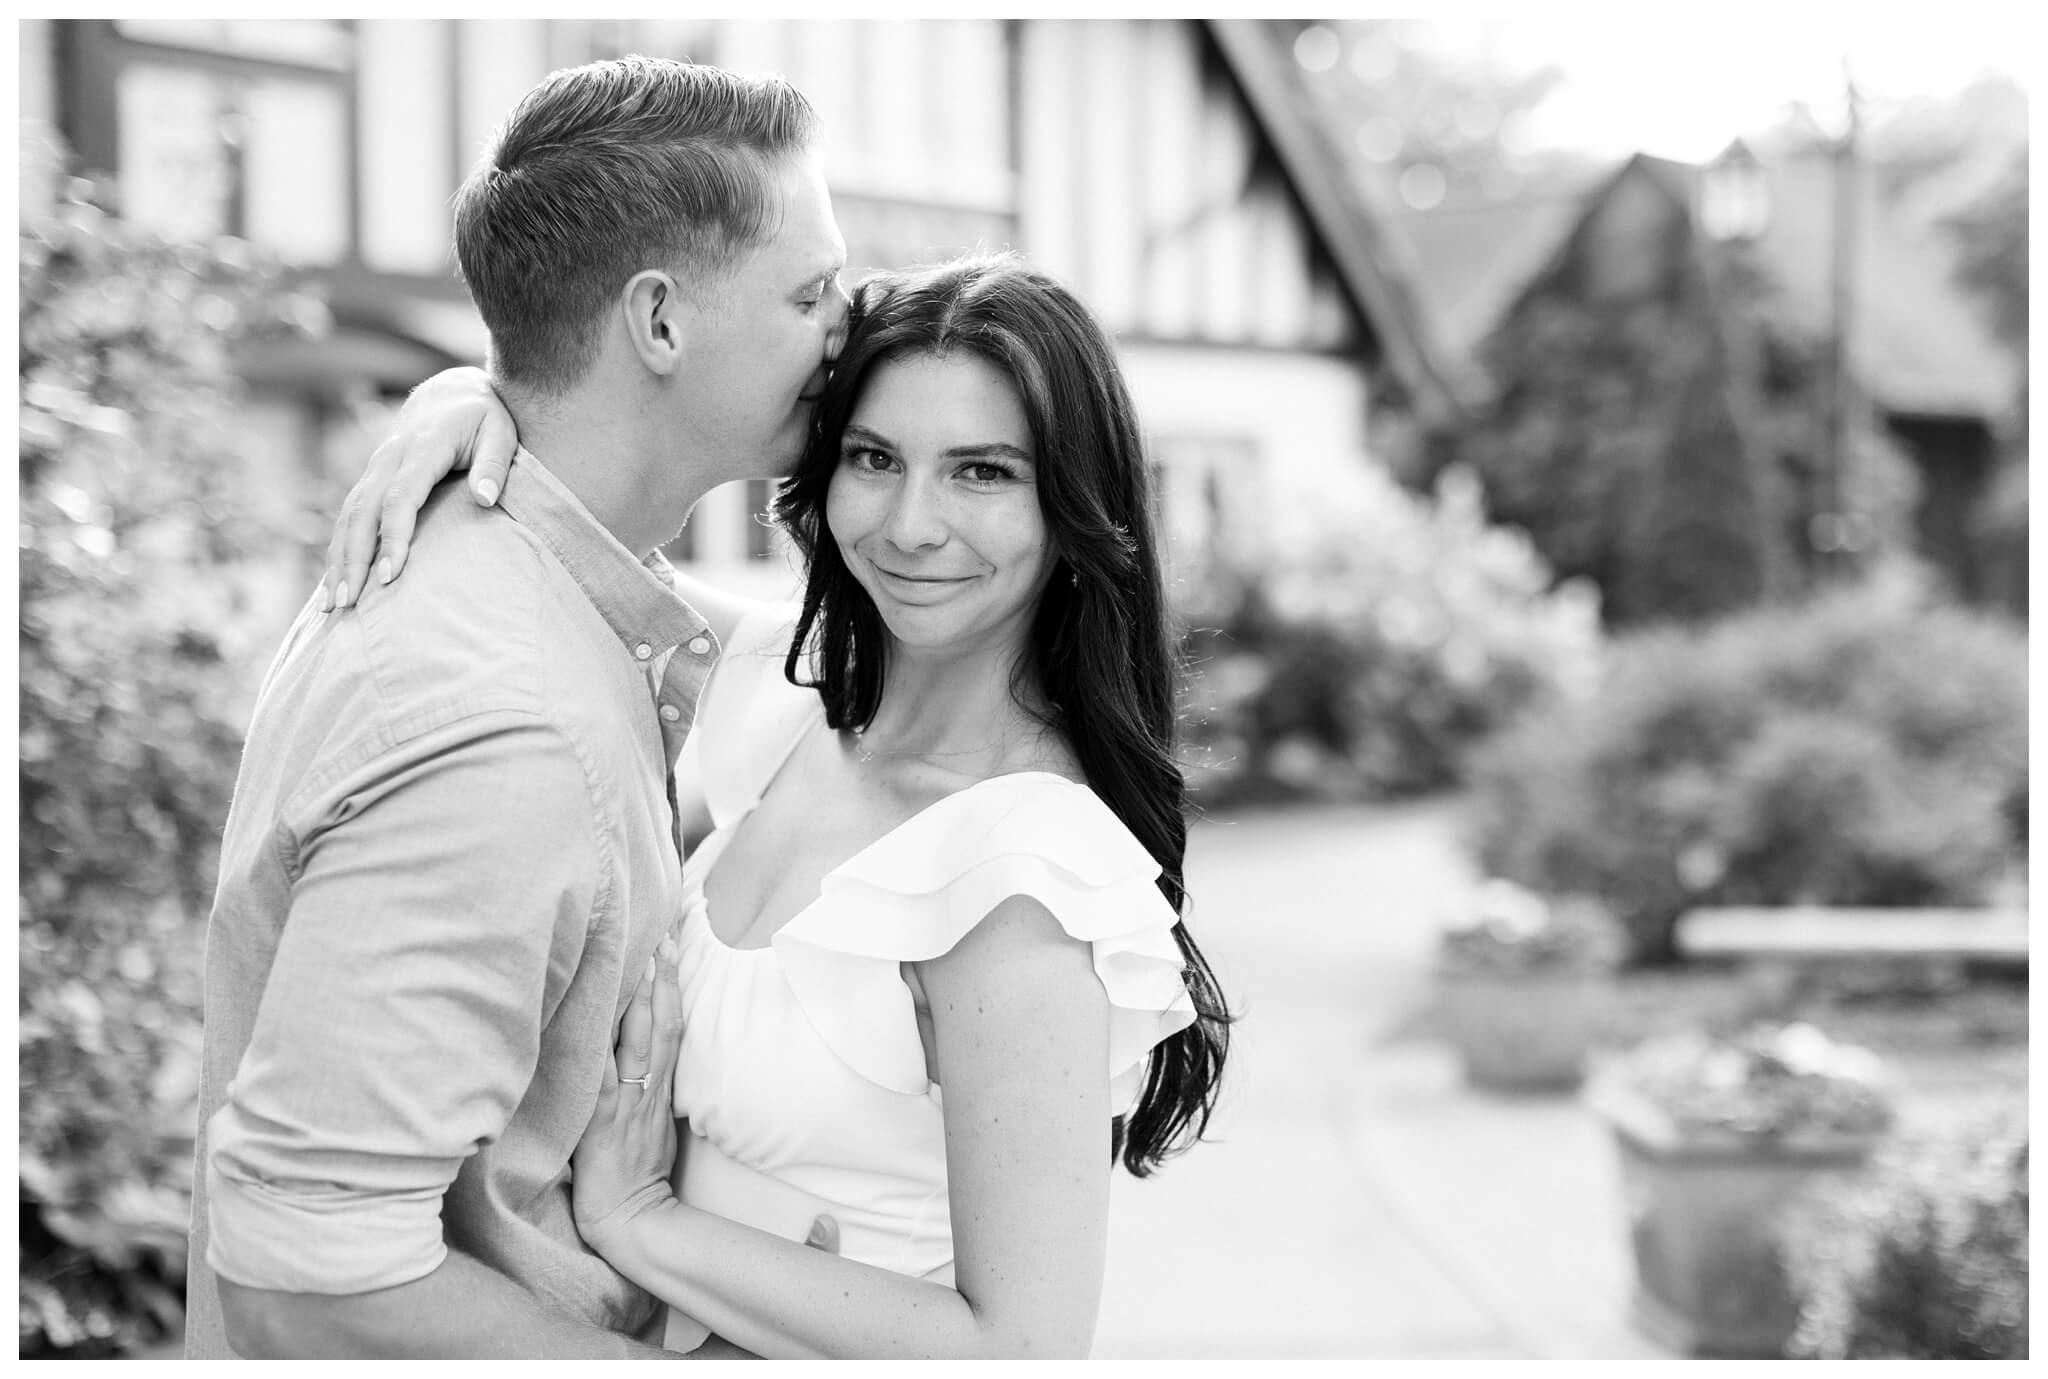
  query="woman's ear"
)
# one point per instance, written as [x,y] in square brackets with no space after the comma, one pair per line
[656,323]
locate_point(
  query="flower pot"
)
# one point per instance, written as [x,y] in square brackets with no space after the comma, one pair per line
[1706,1212]
[1524,1031]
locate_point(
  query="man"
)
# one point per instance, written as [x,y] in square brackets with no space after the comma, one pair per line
[452,850]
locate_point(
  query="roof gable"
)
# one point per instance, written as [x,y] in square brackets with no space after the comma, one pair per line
[1370,262]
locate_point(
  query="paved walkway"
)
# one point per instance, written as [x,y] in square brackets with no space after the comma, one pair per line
[1358,1202]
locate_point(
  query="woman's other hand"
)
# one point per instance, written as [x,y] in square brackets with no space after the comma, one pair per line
[452,421]
[623,1163]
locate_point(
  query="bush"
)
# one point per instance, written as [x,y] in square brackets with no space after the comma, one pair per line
[1926,1259]
[132,674]
[1866,749]
[1387,636]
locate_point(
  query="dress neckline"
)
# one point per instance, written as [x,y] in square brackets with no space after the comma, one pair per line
[816,721]
[704,886]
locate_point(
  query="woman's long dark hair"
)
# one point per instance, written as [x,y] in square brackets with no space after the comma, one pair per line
[1101,650]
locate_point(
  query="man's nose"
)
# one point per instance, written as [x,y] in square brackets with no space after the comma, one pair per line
[842,316]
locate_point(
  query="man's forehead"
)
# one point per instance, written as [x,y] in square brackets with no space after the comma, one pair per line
[807,241]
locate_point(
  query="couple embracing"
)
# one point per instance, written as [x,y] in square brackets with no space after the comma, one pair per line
[492,1068]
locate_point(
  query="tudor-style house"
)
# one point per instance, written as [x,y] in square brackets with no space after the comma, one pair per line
[1166,169]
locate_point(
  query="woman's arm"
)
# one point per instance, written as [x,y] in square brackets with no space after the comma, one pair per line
[1021,1026]
[455,420]
[452,421]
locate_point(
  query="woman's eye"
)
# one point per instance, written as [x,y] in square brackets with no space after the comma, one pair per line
[985,473]
[867,459]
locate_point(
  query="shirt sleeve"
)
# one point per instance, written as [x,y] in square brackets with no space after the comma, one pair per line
[441,895]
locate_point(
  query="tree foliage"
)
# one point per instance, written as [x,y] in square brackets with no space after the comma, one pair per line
[1658,436]
[1415,102]
[1991,241]
[132,522]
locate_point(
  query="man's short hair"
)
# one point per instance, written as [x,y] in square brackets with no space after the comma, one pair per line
[603,171]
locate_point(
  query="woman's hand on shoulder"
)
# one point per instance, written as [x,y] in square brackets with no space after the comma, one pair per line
[452,421]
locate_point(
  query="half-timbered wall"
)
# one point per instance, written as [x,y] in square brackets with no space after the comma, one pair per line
[1117,154]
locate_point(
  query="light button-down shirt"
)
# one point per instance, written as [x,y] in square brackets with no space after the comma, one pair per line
[451,851]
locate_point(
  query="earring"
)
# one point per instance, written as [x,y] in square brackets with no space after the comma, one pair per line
[1074,578]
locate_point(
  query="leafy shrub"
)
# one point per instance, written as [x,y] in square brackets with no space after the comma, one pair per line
[131,672]
[1653,431]
[1385,636]
[1925,1258]
[1865,748]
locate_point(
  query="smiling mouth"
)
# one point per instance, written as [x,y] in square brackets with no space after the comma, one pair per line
[924,579]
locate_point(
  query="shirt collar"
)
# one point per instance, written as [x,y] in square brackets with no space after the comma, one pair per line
[637,598]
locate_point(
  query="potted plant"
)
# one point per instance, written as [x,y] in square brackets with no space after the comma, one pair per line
[1721,1140]
[1525,982]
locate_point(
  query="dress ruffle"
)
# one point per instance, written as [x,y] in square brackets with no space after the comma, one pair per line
[920,889]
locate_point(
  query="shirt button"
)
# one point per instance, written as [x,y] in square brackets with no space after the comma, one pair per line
[670,712]
[700,645]
[643,652]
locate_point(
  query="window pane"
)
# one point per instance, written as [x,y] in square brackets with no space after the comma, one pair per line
[176,176]
[316,42]
[296,170]
[407,141]
[502,59]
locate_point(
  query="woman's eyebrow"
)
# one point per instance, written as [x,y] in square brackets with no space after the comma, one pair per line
[866,435]
[988,448]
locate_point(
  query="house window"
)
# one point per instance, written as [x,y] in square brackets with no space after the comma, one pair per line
[308,42]
[1209,501]
[295,170]
[405,115]
[257,150]
[178,168]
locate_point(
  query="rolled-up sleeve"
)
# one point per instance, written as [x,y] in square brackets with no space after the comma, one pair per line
[440,894]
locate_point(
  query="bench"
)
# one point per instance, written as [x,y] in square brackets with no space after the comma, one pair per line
[1781,946]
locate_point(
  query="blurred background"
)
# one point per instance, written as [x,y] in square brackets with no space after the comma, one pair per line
[1593,461]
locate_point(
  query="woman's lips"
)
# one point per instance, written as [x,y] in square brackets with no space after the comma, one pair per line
[931,583]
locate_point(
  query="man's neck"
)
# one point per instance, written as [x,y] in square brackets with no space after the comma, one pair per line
[637,490]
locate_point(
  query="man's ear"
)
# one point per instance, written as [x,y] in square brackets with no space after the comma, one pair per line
[656,321]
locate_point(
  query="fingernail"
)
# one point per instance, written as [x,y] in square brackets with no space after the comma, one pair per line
[668,948]
[326,597]
[486,492]
[824,1231]
[384,572]
[341,594]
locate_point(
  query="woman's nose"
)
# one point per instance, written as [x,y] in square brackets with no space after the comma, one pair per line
[916,518]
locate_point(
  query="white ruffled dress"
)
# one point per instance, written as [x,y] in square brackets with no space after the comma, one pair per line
[802,1074]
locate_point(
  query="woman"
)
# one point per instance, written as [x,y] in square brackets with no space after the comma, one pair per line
[947,854]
